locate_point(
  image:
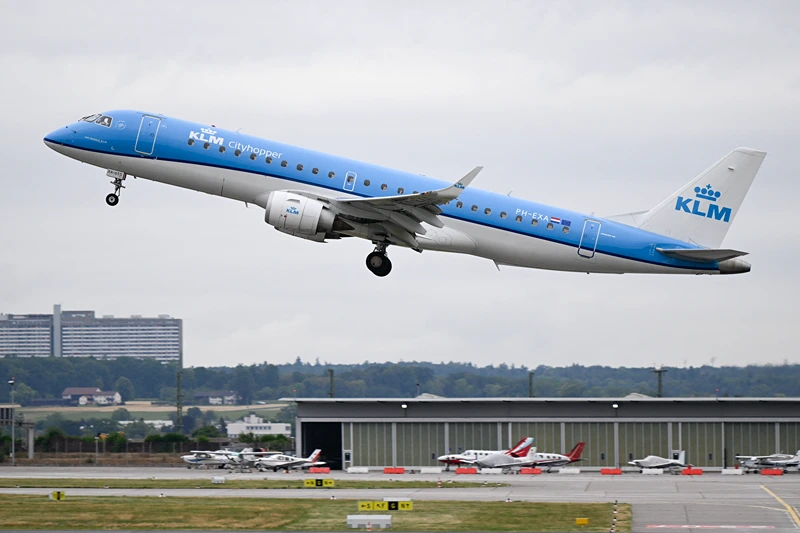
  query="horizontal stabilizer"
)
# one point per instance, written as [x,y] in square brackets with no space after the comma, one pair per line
[701,255]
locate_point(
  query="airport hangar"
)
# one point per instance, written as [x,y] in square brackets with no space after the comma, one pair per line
[414,432]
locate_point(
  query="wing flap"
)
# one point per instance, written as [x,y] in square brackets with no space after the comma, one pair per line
[701,255]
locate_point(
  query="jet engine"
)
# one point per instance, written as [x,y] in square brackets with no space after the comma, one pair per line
[299,216]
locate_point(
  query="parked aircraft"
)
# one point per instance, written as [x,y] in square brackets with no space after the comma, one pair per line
[223,458]
[471,457]
[286,462]
[533,459]
[320,197]
[783,461]
[654,461]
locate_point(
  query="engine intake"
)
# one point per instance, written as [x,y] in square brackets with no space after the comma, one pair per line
[299,216]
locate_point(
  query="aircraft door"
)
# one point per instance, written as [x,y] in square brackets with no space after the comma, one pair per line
[588,244]
[148,131]
[350,181]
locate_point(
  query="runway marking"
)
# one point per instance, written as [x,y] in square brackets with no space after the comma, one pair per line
[789,508]
[692,526]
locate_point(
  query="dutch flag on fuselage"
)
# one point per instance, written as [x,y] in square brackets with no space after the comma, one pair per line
[556,220]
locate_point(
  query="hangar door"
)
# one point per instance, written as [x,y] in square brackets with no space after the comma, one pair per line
[327,436]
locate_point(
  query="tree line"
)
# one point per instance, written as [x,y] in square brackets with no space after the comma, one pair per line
[146,379]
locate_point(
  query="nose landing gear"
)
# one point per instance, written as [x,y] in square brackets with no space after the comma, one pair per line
[377,262]
[113,198]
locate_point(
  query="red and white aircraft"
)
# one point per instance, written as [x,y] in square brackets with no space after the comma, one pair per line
[533,459]
[471,457]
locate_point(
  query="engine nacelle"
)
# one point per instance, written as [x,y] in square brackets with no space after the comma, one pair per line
[298,216]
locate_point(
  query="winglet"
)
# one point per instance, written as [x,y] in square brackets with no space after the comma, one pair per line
[452,192]
[466,180]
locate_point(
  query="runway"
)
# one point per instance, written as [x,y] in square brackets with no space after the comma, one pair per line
[666,502]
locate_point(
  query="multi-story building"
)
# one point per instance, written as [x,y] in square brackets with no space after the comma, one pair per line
[82,334]
[256,425]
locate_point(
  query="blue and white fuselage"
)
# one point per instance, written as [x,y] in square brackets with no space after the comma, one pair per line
[318,197]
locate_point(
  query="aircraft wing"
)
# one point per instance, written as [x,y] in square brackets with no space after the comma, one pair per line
[397,219]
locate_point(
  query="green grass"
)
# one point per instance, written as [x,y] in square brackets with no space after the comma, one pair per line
[81,483]
[109,513]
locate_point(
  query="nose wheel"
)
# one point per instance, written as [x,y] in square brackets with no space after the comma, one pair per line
[378,263]
[113,198]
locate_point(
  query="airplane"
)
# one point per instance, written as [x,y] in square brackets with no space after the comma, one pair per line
[776,460]
[286,462]
[223,458]
[320,197]
[471,457]
[533,459]
[654,461]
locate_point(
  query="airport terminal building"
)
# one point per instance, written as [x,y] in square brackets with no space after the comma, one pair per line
[82,334]
[414,432]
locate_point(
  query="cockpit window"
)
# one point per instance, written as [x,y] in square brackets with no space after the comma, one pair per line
[104,120]
[90,118]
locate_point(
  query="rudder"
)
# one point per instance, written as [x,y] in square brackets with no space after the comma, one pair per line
[702,211]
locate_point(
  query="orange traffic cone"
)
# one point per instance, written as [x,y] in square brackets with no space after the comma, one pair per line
[369,526]
[439,483]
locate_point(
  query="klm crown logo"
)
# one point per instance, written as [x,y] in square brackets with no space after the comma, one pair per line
[293,210]
[695,206]
[208,131]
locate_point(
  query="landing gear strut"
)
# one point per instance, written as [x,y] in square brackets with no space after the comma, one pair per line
[113,198]
[377,262]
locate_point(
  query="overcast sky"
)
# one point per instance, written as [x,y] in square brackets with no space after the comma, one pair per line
[599,107]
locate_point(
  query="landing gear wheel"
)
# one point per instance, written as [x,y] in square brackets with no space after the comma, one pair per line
[379,264]
[112,199]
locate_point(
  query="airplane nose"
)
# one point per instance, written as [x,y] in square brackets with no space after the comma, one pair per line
[60,137]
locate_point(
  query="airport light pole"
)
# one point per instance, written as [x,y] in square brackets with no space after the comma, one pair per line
[13,419]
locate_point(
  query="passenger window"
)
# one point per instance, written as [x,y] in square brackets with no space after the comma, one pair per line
[237,153]
[488,210]
[331,174]
[400,190]
[222,149]
[366,183]
[415,192]
[191,142]
[269,160]
[535,222]
[549,225]
[205,146]
[459,204]
[253,157]
[284,163]
[503,214]
[315,170]
[384,187]
[565,229]
[299,167]
[474,207]
[519,218]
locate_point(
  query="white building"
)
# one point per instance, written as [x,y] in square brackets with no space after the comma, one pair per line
[82,334]
[91,395]
[157,424]
[256,425]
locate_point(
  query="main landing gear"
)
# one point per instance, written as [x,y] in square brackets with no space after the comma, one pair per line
[377,262]
[113,198]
